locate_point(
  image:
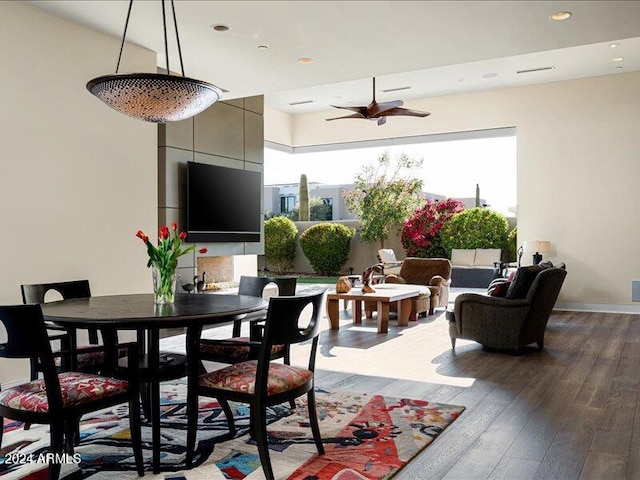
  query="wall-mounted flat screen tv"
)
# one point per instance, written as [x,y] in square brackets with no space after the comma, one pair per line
[223,204]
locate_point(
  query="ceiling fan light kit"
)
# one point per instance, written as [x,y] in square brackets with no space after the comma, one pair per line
[380,111]
[155,97]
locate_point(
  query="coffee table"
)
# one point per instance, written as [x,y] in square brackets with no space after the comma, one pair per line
[383,296]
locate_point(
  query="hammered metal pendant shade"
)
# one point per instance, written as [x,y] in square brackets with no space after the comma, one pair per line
[154,97]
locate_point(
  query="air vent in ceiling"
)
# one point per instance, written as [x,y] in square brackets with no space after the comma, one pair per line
[538,69]
[303,102]
[396,89]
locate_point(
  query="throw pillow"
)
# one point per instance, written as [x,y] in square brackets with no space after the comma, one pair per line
[499,289]
[462,257]
[522,281]
[496,281]
[486,257]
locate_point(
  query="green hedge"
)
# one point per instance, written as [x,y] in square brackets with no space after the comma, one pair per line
[280,243]
[327,246]
[475,228]
[512,245]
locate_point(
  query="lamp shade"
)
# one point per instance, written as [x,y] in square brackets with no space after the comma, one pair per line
[537,246]
[154,97]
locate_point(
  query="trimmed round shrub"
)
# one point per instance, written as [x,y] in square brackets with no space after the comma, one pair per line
[475,228]
[280,243]
[421,232]
[327,246]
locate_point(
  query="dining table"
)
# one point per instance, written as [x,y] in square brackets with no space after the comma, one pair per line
[140,313]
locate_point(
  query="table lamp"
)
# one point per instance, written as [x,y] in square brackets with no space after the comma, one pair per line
[537,246]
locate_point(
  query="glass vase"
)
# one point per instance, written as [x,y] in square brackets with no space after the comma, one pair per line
[164,285]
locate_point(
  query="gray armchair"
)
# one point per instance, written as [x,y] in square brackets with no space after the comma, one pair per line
[507,323]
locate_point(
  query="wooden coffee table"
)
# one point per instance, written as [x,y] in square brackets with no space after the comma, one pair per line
[383,296]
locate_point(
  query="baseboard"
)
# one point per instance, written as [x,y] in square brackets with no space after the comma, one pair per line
[598,308]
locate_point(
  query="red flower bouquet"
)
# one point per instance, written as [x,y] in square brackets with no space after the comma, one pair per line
[164,260]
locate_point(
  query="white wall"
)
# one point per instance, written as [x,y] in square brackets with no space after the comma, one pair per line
[280,127]
[77,180]
[578,169]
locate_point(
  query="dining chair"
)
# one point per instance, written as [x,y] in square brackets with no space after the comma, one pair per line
[241,348]
[90,360]
[60,399]
[262,383]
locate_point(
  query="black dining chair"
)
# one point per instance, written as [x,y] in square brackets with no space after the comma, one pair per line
[60,399]
[87,359]
[262,383]
[241,348]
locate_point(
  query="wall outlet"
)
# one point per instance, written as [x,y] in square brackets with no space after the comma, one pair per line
[635,290]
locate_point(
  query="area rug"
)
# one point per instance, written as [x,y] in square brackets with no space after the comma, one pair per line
[365,437]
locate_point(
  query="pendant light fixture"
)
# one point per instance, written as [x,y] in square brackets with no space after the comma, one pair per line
[155,97]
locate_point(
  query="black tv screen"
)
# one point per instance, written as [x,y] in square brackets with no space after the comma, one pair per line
[223,204]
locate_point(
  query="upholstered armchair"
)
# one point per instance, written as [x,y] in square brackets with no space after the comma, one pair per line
[513,322]
[434,273]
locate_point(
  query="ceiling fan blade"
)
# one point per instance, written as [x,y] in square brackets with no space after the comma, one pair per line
[355,115]
[382,120]
[406,112]
[361,110]
[375,110]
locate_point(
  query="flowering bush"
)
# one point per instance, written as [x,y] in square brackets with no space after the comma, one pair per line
[164,257]
[421,232]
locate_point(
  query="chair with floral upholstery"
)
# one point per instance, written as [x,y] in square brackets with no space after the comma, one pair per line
[59,400]
[238,348]
[88,359]
[262,383]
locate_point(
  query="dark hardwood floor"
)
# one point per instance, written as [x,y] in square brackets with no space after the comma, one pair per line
[567,412]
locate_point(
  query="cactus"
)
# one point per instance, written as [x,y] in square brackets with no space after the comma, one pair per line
[304,211]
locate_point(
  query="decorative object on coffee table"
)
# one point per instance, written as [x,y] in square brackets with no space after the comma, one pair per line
[164,260]
[366,277]
[343,285]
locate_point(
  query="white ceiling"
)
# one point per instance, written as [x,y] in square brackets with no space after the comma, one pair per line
[434,47]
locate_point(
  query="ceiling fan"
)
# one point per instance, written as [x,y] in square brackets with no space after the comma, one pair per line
[380,111]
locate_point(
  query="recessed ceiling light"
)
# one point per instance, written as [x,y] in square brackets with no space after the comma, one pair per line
[262,47]
[220,28]
[560,16]
[617,59]
[614,45]
[490,75]
[305,60]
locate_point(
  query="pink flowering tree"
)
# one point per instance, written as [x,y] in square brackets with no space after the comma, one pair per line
[421,232]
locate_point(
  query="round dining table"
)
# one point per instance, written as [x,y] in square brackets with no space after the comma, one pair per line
[112,313]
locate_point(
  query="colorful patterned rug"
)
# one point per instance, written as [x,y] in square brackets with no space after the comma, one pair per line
[365,437]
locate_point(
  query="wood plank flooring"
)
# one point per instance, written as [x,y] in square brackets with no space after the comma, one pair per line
[568,412]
